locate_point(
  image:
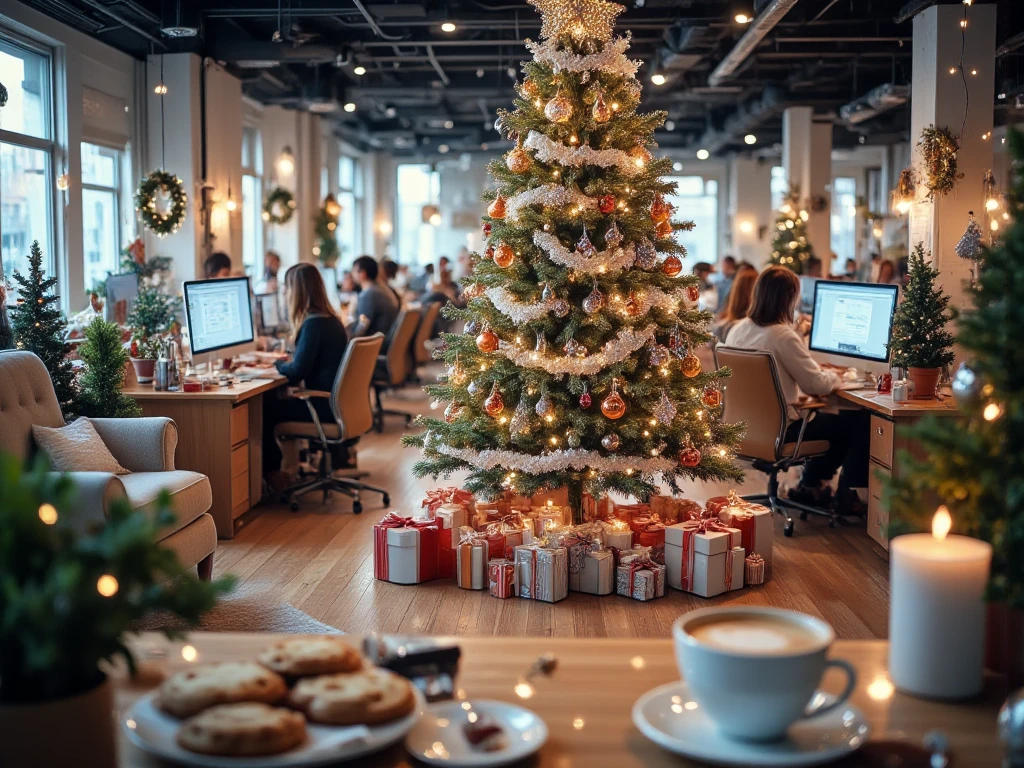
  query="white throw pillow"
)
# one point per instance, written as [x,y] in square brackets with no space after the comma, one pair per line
[76,448]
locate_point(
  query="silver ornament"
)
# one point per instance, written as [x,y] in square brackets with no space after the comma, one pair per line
[965,385]
[611,442]
[574,349]
[547,294]
[572,438]
[544,407]
[659,355]
[584,247]
[665,410]
[520,422]
[471,328]
[646,255]
[560,307]
[541,347]
[1011,729]
[613,236]
[474,388]
[594,302]
[969,245]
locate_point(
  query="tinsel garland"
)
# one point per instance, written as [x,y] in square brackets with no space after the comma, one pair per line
[603,261]
[611,60]
[556,461]
[521,312]
[548,151]
[626,342]
[939,150]
[547,195]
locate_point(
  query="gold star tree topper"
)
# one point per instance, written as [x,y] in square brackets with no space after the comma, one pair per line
[577,18]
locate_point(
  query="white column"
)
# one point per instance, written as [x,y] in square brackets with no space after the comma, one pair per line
[750,210]
[807,158]
[938,98]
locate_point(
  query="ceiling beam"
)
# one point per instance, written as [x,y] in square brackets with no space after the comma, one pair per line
[763,24]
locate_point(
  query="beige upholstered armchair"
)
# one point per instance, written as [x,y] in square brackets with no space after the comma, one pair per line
[143,446]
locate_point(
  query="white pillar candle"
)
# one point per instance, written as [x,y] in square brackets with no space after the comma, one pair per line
[936,611]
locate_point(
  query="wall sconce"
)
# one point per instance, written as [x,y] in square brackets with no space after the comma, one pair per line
[431,214]
[332,207]
[285,164]
[746,226]
[905,193]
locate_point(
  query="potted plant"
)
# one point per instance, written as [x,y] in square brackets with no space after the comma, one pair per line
[71,591]
[144,351]
[106,361]
[920,342]
[151,315]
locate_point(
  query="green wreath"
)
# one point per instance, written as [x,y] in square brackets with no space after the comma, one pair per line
[279,207]
[145,202]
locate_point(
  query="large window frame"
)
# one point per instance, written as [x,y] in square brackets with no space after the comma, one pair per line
[350,196]
[416,239]
[254,234]
[14,256]
[696,198]
[116,191]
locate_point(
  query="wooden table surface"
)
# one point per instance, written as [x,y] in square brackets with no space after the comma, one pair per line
[883,404]
[237,392]
[586,702]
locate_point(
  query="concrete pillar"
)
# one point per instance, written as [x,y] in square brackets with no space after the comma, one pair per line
[938,98]
[751,217]
[807,158]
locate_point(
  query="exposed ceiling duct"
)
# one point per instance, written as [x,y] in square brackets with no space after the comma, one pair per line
[745,119]
[874,102]
[762,24]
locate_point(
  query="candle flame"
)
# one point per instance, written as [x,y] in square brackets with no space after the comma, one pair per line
[941,523]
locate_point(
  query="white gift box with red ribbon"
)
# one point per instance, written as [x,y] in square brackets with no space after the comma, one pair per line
[704,557]
[753,520]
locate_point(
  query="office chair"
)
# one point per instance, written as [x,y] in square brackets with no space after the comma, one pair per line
[424,333]
[353,416]
[394,366]
[754,395]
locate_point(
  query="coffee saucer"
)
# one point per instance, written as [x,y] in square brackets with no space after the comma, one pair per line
[669,716]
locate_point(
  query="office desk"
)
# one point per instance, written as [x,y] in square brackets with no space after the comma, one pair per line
[220,433]
[890,423]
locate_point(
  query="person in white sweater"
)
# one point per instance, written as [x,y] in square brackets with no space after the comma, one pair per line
[769,328]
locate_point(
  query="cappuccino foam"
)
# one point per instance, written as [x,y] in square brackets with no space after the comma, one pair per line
[755,635]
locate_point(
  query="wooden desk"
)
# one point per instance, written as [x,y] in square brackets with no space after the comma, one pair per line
[586,703]
[889,426]
[220,433]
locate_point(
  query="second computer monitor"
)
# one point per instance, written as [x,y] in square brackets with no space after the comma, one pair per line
[853,319]
[219,315]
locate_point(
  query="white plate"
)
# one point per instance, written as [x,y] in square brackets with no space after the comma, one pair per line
[153,731]
[670,718]
[438,737]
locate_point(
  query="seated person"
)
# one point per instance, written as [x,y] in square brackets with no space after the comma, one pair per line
[740,293]
[376,303]
[271,266]
[320,342]
[217,266]
[769,328]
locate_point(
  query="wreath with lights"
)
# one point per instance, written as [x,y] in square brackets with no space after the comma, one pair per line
[145,202]
[938,150]
[279,206]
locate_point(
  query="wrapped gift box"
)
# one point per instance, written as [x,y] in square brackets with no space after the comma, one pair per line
[640,578]
[755,523]
[598,509]
[471,562]
[672,510]
[632,512]
[450,518]
[542,573]
[501,578]
[506,534]
[753,573]
[651,534]
[704,557]
[616,534]
[405,550]
[591,570]
[439,496]
[544,519]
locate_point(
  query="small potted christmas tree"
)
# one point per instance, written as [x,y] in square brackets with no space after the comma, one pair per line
[105,361]
[920,342]
[151,315]
[71,591]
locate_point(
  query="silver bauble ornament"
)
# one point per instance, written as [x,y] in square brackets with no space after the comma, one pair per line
[544,407]
[665,410]
[474,388]
[611,442]
[594,302]
[560,307]
[584,247]
[572,438]
[559,109]
[471,328]
[659,355]
[547,294]
[613,236]
[966,386]
[520,422]
[646,255]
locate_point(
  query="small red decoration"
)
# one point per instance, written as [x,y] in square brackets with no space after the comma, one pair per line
[672,266]
[487,341]
[712,397]
[486,228]
[689,457]
[692,292]
[586,400]
[606,204]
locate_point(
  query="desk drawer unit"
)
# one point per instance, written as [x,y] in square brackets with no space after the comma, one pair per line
[878,514]
[882,433]
[239,423]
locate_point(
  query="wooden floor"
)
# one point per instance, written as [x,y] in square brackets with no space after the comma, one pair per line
[319,559]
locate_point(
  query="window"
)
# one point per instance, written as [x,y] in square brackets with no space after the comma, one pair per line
[101,203]
[418,185]
[252,202]
[27,180]
[844,221]
[350,197]
[779,186]
[696,199]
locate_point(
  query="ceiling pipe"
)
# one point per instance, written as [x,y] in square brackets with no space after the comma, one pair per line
[125,22]
[437,65]
[762,24]
[373,22]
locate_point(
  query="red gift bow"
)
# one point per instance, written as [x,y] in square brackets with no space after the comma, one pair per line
[507,524]
[428,544]
[644,564]
[690,529]
[439,496]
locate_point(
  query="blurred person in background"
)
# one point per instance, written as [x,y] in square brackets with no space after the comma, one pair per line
[886,272]
[739,301]
[419,283]
[724,282]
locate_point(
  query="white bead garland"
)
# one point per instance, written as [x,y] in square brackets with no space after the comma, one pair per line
[601,262]
[548,195]
[574,458]
[611,60]
[548,151]
[515,310]
[626,342]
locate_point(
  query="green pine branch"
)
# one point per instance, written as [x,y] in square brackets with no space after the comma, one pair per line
[105,359]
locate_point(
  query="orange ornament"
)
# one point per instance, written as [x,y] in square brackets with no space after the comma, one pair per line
[689,457]
[504,255]
[529,88]
[692,292]
[690,365]
[518,160]
[494,404]
[660,210]
[664,228]
[487,341]
[712,397]
[613,407]
[671,266]
[496,210]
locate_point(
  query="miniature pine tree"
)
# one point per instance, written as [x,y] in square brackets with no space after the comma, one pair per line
[105,358]
[919,335]
[790,247]
[974,463]
[577,369]
[152,312]
[39,327]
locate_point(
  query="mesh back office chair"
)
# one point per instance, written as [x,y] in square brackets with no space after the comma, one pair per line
[353,416]
[754,395]
[394,367]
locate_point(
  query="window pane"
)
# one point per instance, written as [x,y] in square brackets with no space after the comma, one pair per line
[697,201]
[99,235]
[25,184]
[252,226]
[99,165]
[346,173]
[779,187]
[347,231]
[417,186]
[844,221]
[26,75]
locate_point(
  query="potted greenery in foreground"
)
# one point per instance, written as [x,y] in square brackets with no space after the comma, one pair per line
[68,596]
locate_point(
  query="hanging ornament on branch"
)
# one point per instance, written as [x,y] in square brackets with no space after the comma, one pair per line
[611,442]
[494,404]
[671,266]
[613,406]
[559,109]
[585,248]
[594,302]
[518,159]
[969,245]
[690,364]
[601,112]
[585,399]
[939,149]
[496,210]
[504,255]
[487,341]
[613,236]
[665,410]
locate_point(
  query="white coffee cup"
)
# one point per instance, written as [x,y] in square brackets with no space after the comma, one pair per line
[754,670]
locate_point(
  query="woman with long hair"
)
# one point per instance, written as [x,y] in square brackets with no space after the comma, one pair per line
[320,340]
[739,301]
[769,327]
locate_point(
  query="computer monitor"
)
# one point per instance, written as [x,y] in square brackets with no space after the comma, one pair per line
[219,316]
[122,291]
[268,307]
[807,294]
[330,278]
[853,319]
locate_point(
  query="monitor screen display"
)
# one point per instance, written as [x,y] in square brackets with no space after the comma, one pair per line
[219,313]
[270,313]
[853,319]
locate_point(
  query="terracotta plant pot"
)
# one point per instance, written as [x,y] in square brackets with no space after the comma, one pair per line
[925,380]
[74,731]
[144,370]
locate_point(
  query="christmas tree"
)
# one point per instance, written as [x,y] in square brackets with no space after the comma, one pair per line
[105,359]
[577,368]
[919,335]
[152,313]
[975,463]
[790,247]
[40,327]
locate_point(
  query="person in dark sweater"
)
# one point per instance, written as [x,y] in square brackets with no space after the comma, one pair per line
[320,343]
[376,303]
